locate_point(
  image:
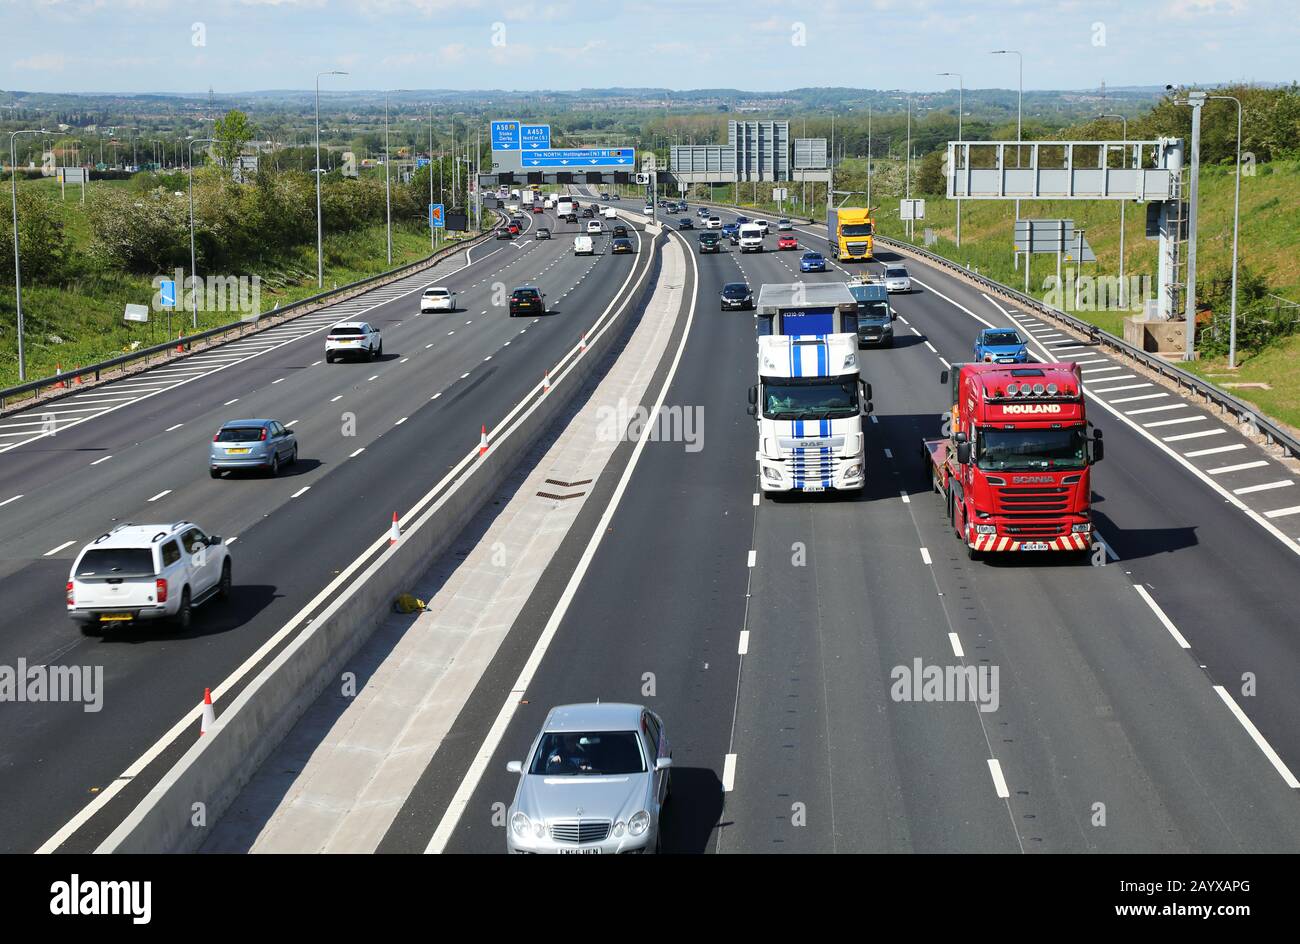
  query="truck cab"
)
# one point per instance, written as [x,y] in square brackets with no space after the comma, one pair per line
[851,234]
[809,400]
[1015,470]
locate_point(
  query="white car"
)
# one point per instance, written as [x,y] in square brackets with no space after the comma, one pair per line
[610,213]
[438,298]
[762,225]
[897,279]
[713,222]
[353,339]
[593,226]
[649,210]
[583,246]
[140,572]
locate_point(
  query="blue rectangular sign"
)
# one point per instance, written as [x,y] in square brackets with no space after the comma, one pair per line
[578,158]
[806,321]
[505,135]
[422,162]
[167,293]
[534,137]
[437,216]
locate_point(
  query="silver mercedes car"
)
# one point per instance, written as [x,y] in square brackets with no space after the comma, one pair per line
[596,782]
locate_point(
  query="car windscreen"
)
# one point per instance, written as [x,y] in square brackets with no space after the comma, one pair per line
[116,562]
[820,400]
[436,292]
[1002,337]
[527,294]
[895,273]
[239,434]
[735,290]
[1005,449]
[599,753]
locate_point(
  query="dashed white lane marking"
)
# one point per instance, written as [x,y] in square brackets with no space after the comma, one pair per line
[302,491]
[1095,389]
[163,494]
[1165,621]
[728,773]
[334,399]
[1215,451]
[464,375]
[1240,466]
[8,500]
[925,556]
[401,421]
[743,648]
[357,453]
[228,402]
[170,428]
[931,347]
[427,346]
[403,360]
[372,377]
[1157,409]
[1174,422]
[1267,486]
[1201,435]
[956,646]
[1283,512]
[274,382]
[756,499]
[1278,764]
[231,540]
[98,461]
[888,454]
[906,499]
[293,423]
[999,781]
[54,550]
[753,558]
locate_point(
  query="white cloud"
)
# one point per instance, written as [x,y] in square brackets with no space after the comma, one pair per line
[42,62]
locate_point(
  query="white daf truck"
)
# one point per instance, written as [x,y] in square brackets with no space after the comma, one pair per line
[809,400]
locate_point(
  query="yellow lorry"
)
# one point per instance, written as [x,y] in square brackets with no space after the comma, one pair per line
[851,233]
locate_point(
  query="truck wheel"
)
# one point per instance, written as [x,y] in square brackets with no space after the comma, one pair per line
[972,554]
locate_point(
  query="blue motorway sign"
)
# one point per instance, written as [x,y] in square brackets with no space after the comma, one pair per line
[505,135]
[581,157]
[422,162]
[533,137]
[167,293]
[437,217]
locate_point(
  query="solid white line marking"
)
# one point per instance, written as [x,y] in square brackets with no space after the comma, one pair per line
[55,550]
[1258,738]
[228,402]
[357,453]
[230,541]
[1236,468]
[931,347]
[98,461]
[729,773]
[753,558]
[744,642]
[1215,451]
[8,500]
[999,782]
[1267,486]
[1181,436]
[944,361]
[1283,512]
[956,646]
[302,491]
[170,428]
[925,556]
[163,494]
[1160,615]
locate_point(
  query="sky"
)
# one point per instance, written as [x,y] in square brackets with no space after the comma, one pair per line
[760,45]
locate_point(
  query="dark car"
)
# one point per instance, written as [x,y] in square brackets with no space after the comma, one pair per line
[527,300]
[619,231]
[736,295]
[685,223]
[741,220]
[588,213]
[710,242]
[620,245]
[504,233]
[604,196]
[570,218]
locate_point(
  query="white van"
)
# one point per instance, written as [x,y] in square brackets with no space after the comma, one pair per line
[750,238]
[583,246]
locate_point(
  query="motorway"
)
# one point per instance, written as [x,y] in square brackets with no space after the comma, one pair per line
[1147,704]
[373,438]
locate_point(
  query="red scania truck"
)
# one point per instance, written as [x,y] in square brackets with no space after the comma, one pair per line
[1015,465]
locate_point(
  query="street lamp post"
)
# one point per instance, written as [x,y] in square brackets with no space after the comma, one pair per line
[194,271]
[320,259]
[18,277]
[1123,288]
[1020,95]
[1236,221]
[961,91]
[388,192]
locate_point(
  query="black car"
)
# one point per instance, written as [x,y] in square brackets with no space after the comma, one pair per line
[620,245]
[527,300]
[685,223]
[543,233]
[570,218]
[588,213]
[619,231]
[709,242]
[736,295]
[604,196]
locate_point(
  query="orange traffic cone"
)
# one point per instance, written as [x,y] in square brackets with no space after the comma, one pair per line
[394,533]
[58,372]
[482,442]
[209,716]
[180,337]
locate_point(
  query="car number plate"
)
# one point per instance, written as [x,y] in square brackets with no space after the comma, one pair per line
[236,452]
[114,617]
[1034,546]
[814,488]
[594,850]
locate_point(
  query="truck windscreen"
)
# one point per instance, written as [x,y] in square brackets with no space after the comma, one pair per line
[856,229]
[873,312]
[1008,449]
[823,400]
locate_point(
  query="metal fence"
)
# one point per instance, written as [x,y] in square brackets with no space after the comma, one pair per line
[235,329]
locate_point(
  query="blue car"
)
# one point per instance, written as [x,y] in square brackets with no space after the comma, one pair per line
[685,223]
[741,220]
[812,262]
[731,231]
[1001,346]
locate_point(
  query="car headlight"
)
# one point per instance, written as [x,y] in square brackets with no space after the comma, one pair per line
[639,823]
[522,825]
[986,529]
